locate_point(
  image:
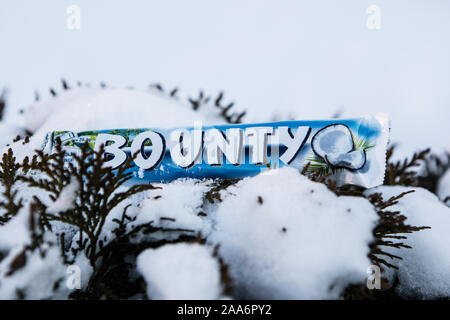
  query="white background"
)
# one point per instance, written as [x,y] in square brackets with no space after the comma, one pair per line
[307,59]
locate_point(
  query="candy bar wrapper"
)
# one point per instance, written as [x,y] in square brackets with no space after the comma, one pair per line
[349,151]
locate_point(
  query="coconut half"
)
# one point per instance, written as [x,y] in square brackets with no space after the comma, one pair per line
[336,146]
[353,160]
[335,138]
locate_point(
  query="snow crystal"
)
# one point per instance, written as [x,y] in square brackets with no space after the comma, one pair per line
[286,237]
[180,271]
[425,269]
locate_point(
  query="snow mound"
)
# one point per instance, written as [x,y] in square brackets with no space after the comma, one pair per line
[66,198]
[82,109]
[424,269]
[176,205]
[16,232]
[22,149]
[286,237]
[38,112]
[27,273]
[443,190]
[95,109]
[8,132]
[35,280]
[180,271]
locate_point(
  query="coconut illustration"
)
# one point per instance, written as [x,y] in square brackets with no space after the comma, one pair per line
[353,160]
[335,145]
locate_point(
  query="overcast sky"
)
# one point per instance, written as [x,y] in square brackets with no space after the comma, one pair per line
[309,58]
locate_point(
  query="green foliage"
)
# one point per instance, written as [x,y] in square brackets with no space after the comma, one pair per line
[391,227]
[225,277]
[113,277]
[391,224]
[9,175]
[390,230]
[216,187]
[319,167]
[97,191]
[2,103]
[362,143]
[203,100]
[403,172]
[434,167]
[224,109]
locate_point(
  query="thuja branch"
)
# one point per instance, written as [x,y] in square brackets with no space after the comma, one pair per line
[9,175]
[98,190]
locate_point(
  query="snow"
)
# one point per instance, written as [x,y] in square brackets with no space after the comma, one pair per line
[22,150]
[425,269]
[286,237]
[176,205]
[82,109]
[37,279]
[97,109]
[283,236]
[39,111]
[15,233]
[8,132]
[66,198]
[44,274]
[180,271]
[443,190]
[174,208]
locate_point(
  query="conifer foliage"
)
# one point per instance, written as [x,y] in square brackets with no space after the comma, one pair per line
[98,191]
[91,191]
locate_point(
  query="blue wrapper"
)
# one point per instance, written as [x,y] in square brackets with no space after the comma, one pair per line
[349,151]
